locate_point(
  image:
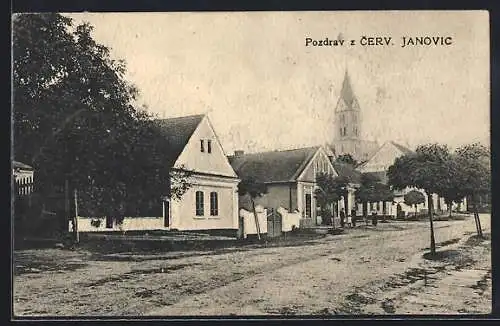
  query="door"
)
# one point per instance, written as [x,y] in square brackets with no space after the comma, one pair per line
[308,206]
[166,213]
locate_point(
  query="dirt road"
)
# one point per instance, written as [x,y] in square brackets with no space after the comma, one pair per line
[323,276]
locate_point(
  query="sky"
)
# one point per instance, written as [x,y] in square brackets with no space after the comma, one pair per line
[263,89]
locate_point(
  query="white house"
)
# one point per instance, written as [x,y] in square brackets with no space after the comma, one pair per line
[211,200]
[23,177]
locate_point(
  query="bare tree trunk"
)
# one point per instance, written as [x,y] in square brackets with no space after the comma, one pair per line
[66,204]
[450,207]
[476,218]
[433,241]
[75,221]
[257,226]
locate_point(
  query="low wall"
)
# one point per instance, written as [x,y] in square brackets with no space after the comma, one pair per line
[289,220]
[129,224]
[249,226]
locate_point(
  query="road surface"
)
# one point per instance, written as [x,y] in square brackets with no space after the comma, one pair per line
[312,278]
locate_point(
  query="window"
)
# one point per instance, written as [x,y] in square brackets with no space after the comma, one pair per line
[378,206]
[202,145]
[209,146]
[214,204]
[199,203]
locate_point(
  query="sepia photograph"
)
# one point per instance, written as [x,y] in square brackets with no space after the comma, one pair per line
[251,164]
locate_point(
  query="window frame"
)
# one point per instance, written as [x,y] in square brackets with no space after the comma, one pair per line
[199,204]
[209,146]
[214,204]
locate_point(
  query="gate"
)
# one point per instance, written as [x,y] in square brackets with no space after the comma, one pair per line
[274,223]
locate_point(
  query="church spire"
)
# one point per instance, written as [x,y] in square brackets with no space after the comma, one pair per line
[347,94]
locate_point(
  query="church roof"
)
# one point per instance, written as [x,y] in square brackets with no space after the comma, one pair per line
[275,166]
[347,94]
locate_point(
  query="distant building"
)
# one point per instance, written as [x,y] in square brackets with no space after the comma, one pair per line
[347,126]
[379,163]
[23,175]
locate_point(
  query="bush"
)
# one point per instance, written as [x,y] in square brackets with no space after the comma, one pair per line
[95,223]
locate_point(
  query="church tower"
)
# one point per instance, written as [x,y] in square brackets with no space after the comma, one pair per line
[347,136]
[347,112]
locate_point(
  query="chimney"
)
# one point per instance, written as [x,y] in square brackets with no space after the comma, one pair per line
[238,153]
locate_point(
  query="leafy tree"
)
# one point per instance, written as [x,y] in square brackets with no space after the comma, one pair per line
[384,194]
[346,158]
[366,192]
[414,198]
[75,120]
[327,193]
[425,169]
[254,189]
[372,190]
[474,177]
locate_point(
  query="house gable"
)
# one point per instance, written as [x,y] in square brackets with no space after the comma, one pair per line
[383,158]
[318,163]
[192,158]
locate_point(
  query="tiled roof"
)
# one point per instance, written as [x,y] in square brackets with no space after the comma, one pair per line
[275,166]
[402,148]
[347,170]
[19,165]
[177,132]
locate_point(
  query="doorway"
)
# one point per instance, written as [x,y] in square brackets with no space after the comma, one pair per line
[166,213]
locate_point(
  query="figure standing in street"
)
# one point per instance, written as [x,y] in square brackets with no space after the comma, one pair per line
[374,218]
[342,218]
[353,216]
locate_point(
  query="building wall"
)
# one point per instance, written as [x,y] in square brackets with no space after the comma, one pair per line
[318,164]
[183,211]
[215,162]
[284,195]
[360,150]
[129,224]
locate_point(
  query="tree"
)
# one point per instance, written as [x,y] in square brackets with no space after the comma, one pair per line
[474,177]
[384,194]
[327,193]
[75,120]
[372,190]
[425,169]
[254,189]
[414,198]
[366,192]
[346,158]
